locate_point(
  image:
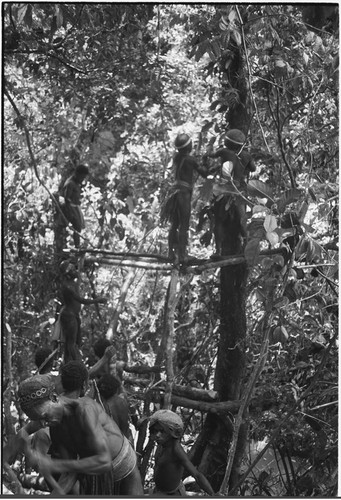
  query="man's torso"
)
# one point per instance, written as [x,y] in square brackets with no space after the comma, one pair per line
[72,433]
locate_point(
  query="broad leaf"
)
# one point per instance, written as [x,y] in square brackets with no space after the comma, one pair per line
[288,197]
[260,189]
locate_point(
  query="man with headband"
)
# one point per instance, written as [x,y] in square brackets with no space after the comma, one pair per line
[166,428]
[94,447]
[177,209]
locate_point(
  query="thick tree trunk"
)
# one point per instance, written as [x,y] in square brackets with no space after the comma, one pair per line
[231,349]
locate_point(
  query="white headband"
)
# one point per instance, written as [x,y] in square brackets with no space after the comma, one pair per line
[184,145]
[235,142]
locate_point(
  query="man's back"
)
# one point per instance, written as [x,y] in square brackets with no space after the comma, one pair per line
[72,191]
[238,168]
[119,411]
[82,428]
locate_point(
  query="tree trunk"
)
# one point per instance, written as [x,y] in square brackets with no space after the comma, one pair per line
[231,349]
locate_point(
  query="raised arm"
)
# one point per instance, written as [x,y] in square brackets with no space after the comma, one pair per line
[70,293]
[103,362]
[201,169]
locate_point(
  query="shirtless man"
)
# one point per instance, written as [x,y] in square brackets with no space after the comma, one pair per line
[177,209]
[89,439]
[115,403]
[36,437]
[166,428]
[236,166]
[68,330]
[72,195]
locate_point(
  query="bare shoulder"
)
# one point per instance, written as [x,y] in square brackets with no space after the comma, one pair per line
[87,405]
[179,452]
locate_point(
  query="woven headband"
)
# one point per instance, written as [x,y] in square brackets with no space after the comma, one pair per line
[30,400]
[189,140]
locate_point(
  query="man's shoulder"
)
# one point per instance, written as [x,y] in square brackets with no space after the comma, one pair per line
[189,159]
[85,403]
[245,156]
[226,154]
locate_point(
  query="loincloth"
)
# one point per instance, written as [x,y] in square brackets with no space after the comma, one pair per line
[125,462]
[171,204]
[179,491]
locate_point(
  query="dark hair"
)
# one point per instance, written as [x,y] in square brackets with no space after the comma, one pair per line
[41,355]
[100,346]
[82,170]
[108,385]
[73,375]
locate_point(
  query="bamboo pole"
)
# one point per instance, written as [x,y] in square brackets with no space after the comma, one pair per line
[170,309]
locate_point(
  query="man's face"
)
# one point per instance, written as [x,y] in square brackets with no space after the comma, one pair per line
[48,412]
[158,434]
[82,178]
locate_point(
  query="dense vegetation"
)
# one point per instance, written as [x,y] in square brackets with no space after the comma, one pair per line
[110,85]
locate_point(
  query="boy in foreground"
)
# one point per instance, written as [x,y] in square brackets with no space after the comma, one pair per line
[166,428]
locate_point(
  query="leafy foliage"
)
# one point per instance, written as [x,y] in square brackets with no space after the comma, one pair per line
[111,85]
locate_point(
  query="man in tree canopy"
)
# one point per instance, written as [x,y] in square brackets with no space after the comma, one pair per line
[72,195]
[177,208]
[236,164]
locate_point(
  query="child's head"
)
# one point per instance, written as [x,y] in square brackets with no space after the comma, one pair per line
[108,386]
[74,376]
[164,424]
[183,143]
[234,139]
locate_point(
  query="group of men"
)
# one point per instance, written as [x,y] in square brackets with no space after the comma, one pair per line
[82,445]
[80,441]
[235,166]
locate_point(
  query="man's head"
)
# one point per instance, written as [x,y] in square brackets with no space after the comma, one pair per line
[74,377]
[39,400]
[108,386]
[234,139]
[164,424]
[67,268]
[40,357]
[183,142]
[81,172]
[100,346]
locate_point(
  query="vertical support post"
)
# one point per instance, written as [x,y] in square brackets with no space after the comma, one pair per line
[169,323]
